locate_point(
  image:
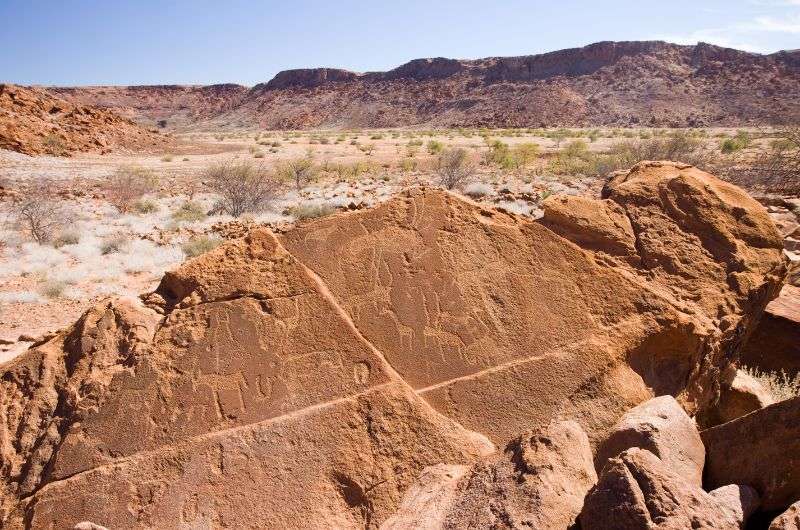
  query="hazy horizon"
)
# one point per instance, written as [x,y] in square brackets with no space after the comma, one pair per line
[198,43]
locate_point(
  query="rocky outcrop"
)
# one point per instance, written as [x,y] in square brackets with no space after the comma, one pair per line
[637,491]
[662,427]
[34,122]
[308,78]
[308,379]
[762,450]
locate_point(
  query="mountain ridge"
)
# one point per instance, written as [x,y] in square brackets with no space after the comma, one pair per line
[606,83]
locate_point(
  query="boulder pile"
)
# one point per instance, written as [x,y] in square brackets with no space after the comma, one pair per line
[378,368]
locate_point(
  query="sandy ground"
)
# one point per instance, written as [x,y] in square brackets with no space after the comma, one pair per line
[46,287]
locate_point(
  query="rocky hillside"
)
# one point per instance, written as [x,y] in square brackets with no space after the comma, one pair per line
[34,121]
[608,83]
[427,363]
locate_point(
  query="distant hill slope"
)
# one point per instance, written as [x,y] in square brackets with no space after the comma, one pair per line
[34,121]
[649,83]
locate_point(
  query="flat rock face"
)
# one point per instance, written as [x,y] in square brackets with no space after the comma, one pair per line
[762,450]
[306,380]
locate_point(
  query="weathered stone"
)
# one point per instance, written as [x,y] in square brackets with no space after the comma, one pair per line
[427,502]
[774,345]
[662,427]
[740,395]
[540,482]
[637,491]
[762,450]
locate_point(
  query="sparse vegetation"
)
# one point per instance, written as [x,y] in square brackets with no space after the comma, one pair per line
[128,185]
[52,289]
[242,186]
[300,171]
[40,213]
[454,167]
[312,210]
[145,206]
[779,384]
[200,245]
[189,211]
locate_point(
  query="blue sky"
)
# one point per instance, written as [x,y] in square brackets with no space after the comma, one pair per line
[87,42]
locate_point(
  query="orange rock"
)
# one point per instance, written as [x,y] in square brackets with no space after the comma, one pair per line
[307,380]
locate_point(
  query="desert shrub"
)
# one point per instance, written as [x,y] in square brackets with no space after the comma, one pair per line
[54,145]
[434,147]
[524,154]
[677,147]
[113,244]
[189,211]
[575,159]
[242,186]
[258,154]
[166,158]
[127,185]
[367,149]
[476,190]
[737,143]
[777,169]
[376,137]
[66,237]
[408,164]
[300,171]
[312,210]
[454,167]
[499,154]
[39,213]
[558,136]
[200,245]
[145,206]
[779,384]
[52,289]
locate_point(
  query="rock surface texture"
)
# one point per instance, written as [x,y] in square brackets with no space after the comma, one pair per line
[637,491]
[662,427]
[762,450]
[774,345]
[308,379]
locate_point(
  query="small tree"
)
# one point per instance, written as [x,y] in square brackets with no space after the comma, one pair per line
[127,185]
[300,171]
[454,167]
[243,187]
[40,213]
